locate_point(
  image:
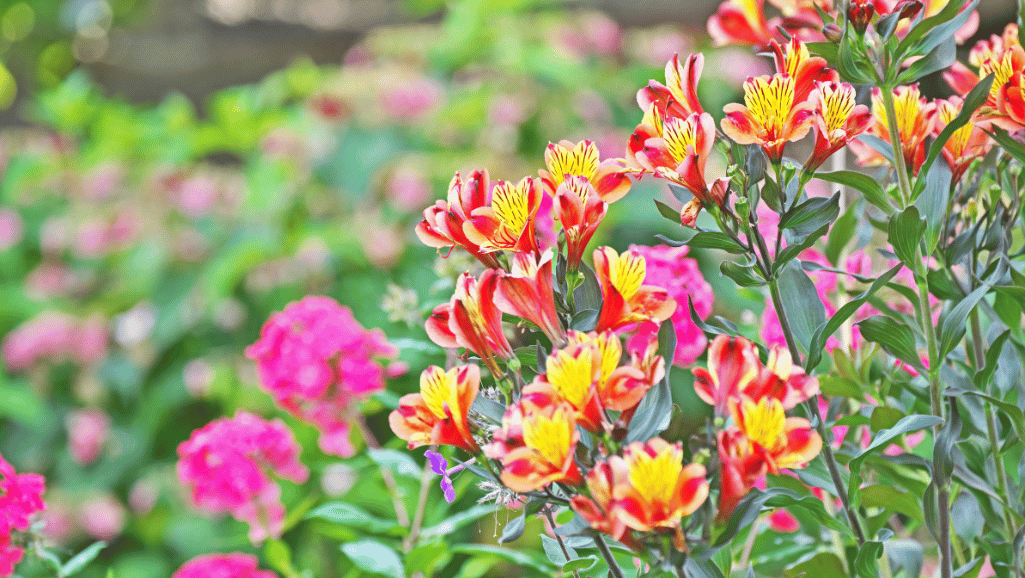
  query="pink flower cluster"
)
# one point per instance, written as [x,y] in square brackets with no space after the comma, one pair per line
[233,565]
[88,430]
[54,336]
[670,268]
[318,362]
[226,464]
[21,501]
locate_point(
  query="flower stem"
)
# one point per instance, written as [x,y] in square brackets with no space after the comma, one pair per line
[824,433]
[558,538]
[401,515]
[898,150]
[614,568]
[421,505]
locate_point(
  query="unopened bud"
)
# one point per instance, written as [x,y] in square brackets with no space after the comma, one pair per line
[832,32]
[908,8]
[702,456]
[860,13]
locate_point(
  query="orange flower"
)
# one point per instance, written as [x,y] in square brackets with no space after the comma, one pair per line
[914,124]
[740,22]
[527,292]
[965,144]
[626,299]
[678,97]
[599,510]
[507,222]
[580,210]
[771,115]
[571,376]
[678,151]
[658,490]
[437,415]
[443,223]
[986,56]
[794,60]
[549,438]
[566,160]
[1006,105]
[838,119]
[472,320]
[741,465]
[787,442]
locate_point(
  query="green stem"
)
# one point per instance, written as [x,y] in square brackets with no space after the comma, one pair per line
[898,150]
[614,568]
[824,433]
[558,538]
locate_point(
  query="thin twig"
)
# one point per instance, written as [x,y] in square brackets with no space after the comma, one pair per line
[558,538]
[421,505]
[614,568]
[401,515]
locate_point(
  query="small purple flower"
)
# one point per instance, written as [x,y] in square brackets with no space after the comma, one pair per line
[438,462]
[439,465]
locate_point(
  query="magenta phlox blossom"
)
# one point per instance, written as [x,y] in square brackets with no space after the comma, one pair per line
[21,501]
[233,565]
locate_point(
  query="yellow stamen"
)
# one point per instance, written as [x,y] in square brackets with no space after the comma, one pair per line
[837,106]
[550,437]
[681,138]
[770,101]
[510,204]
[764,423]
[581,161]
[653,119]
[655,477]
[627,272]
[1002,68]
[436,388]
[571,373]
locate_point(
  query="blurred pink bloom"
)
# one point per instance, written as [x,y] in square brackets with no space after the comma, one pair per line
[58,523]
[103,517]
[52,336]
[411,99]
[226,466]
[90,343]
[661,48]
[318,362]
[604,36]
[20,503]
[784,522]
[736,65]
[198,376]
[408,189]
[50,279]
[102,181]
[670,268]
[223,566]
[507,110]
[54,235]
[143,497]
[12,228]
[196,195]
[88,430]
[382,243]
[91,241]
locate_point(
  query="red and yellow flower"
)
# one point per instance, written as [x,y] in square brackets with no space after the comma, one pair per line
[781,380]
[437,415]
[442,226]
[771,115]
[741,465]
[566,160]
[678,97]
[740,22]
[626,299]
[793,59]
[914,123]
[472,320]
[838,119]
[571,377]
[987,56]
[580,209]
[788,442]
[507,222]
[549,440]
[658,490]
[966,143]
[599,510]
[620,388]
[526,291]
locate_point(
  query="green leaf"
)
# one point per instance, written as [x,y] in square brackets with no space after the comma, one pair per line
[279,557]
[882,439]
[585,320]
[822,565]
[785,498]
[842,233]
[895,337]
[952,326]
[932,204]
[79,561]
[940,57]
[374,557]
[654,412]
[696,568]
[743,275]
[1014,413]
[934,30]
[667,211]
[588,294]
[864,184]
[352,517]
[714,240]
[972,102]
[984,375]
[905,231]
[865,565]
[884,418]
[1011,146]
[810,216]
[892,500]
[514,556]
[554,551]
[905,555]
[579,564]
[786,256]
[513,529]
[850,69]
[801,303]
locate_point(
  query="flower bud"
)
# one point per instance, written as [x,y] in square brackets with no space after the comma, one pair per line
[832,32]
[860,13]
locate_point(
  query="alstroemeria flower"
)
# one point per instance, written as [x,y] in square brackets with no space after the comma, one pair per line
[566,160]
[838,119]
[771,115]
[546,456]
[620,388]
[914,124]
[733,366]
[986,56]
[580,210]
[680,152]
[626,299]
[966,143]
[740,22]
[507,222]
[437,415]
[599,510]
[1006,105]
[472,320]
[741,465]
[781,380]
[794,59]
[678,97]
[571,376]
[789,442]
[659,490]
[526,291]
[443,222]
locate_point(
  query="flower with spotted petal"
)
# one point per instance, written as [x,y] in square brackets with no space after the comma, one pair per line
[625,298]
[771,115]
[568,161]
[549,440]
[507,223]
[838,119]
[442,226]
[437,415]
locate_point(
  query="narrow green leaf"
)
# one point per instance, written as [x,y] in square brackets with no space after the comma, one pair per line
[896,338]
[667,211]
[842,233]
[801,303]
[905,231]
[79,561]
[810,215]
[374,557]
[513,529]
[714,240]
[940,57]
[972,102]
[743,275]
[952,326]
[882,439]
[864,184]
[984,375]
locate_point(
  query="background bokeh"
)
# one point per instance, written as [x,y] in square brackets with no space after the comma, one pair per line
[174,171]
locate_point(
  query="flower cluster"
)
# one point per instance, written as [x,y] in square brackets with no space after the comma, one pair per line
[227,465]
[318,362]
[233,565]
[20,503]
[55,336]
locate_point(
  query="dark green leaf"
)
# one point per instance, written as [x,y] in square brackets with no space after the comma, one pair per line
[842,233]
[934,30]
[932,204]
[1011,146]
[743,275]
[940,57]
[895,337]
[892,500]
[952,326]
[667,211]
[905,231]
[513,529]
[701,568]
[983,376]
[653,413]
[714,240]
[554,551]
[801,303]
[864,184]
[821,565]
[667,344]
[786,256]
[882,439]
[942,461]
[810,216]
[588,294]
[671,242]
[492,409]
[884,418]
[866,565]
[579,564]
[585,320]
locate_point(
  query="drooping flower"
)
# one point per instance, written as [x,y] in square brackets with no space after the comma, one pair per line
[437,415]
[226,466]
[914,123]
[580,210]
[741,465]
[838,119]
[319,362]
[678,97]
[626,299]
[442,226]
[771,115]
[472,320]
[507,222]
[966,143]
[526,291]
[549,439]
[234,565]
[659,490]
[670,267]
[566,160]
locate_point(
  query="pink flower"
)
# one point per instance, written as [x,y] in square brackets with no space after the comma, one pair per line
[223,566]
[12,228]
[51,336]
[408,189]
[411,99]
[20,503]
[670,268]
[88,430]
[318,362]
[226,465]
[784,522]
[102,517]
